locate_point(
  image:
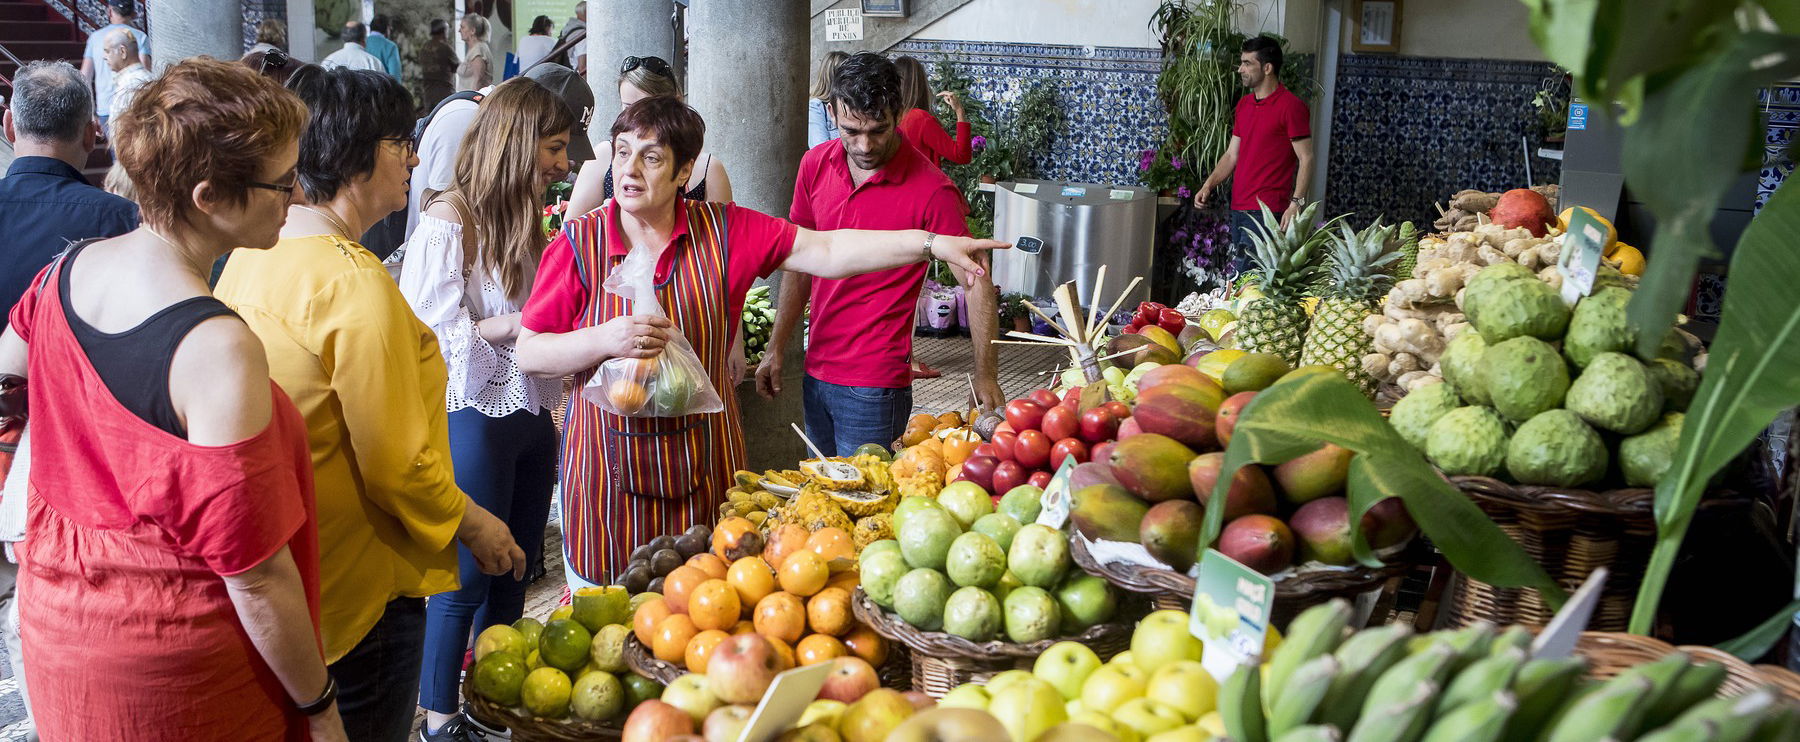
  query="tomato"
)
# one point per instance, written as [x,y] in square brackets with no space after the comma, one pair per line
[1003,444]
[1072,399]
[1068,448]
[1097,424]
[1032,450]
[1024,414]
[1044,397]
[1060,422]
[1007,475]
[980,470]
[1119,410]
[988,450]
[1172,320]
[1040,479]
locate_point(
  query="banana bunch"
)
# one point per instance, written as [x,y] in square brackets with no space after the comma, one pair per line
[1478,684]
[759,320]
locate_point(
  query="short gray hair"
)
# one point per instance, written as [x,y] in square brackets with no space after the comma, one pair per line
[51,102]
[126,39]
[355,33]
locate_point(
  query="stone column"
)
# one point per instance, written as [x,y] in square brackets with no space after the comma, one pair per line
[189,28]
[618,29]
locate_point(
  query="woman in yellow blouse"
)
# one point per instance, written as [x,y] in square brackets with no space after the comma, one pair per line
[369,380]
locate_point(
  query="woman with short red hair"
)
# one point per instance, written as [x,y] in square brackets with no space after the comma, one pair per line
[169,588]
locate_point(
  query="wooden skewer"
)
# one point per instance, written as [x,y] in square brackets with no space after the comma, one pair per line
[1095,336]
[808,441]
[1094,305]
[1047,318]
[1040,338]
[1037,343]
[1065,305]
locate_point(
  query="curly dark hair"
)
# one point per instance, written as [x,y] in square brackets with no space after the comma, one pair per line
[867,85]
[351,112]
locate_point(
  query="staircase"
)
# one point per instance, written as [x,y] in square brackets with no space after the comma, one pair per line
[31,30]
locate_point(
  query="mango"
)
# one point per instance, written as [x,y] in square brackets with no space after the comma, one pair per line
[1175,374]
[1249,493]
[1139,349]
[1314,475]
[1107,511]
[1162,337]
[1184,412]
[1170,531]
[1091,473]
[1153,467]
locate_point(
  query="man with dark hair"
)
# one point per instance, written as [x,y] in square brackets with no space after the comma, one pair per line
[858,386]
[353,55]
[94,68]
[382,47]
[1270,157]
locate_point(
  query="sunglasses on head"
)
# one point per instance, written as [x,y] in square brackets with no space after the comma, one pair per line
[653,64]
[273,59]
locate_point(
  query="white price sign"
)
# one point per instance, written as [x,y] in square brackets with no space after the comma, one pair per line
[844,24]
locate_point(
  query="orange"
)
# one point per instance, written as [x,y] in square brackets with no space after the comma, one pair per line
[784,652]
[781,616]
[847,579]
[680,584]
[915,436]
[752,578]
[817,648]
[672,637]
[784,541]
[865,643]
[714,605]
[959,446]
[829,612]
[700,649]
[831,543]
[743,626]
[802,573]
[713,566]
[735,534]
[922,420]
[951,419]
[648,615]
[626,396]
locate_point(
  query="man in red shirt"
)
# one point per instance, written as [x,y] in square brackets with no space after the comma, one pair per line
[858,386]
[1271,151]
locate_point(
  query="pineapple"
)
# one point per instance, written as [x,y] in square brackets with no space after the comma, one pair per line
[1288,260]
[1409,251]
[1358,275]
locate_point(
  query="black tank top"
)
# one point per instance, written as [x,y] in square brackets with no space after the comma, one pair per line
[134,364]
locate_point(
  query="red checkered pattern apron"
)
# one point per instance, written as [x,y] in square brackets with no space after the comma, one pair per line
[627,480]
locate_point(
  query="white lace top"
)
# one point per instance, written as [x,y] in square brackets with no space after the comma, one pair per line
[451,300]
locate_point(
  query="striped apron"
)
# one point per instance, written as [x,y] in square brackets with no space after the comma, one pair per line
[626,480]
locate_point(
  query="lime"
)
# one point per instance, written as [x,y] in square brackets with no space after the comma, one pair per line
[564,611]
[534,660]
[599,606]
[1213,321]
[597,696]
[875,449]
[565,644]
[532,628]
[546,693]
[1253,372]
[498,677]
[639,689]
[500,638]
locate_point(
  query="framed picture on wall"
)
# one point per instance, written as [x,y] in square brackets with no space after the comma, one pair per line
[1377,26]
[884,8]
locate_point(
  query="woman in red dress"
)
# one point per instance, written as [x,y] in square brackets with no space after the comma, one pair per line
[168,580]
[920,128]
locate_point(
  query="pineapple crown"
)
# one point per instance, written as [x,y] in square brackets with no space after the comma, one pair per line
[1359,261]
[1289,259]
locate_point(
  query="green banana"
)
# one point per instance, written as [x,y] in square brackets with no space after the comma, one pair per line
[1703,730]
[1698,682]
[1240,705]
[1398,682]
[1402,721]
[1304,693]
[1513,636]
[1317,630]
[1482,679]
[1611,711]
[1780,725]
[1471,643]
[1312,733]
[1663,675]
[1541,686]
[1737,717]
[1479,720]
[1362,659]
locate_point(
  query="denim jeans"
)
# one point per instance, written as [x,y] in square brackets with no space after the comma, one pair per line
[841,418]
[508,466]
[378,681]
[1243,224]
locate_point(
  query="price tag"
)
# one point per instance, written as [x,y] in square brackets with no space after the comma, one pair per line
[1074,191]
[1057,496]
[1580,261]
[1230,614]
[785,701]
[1559,638]
[1120,194]
[1026,188]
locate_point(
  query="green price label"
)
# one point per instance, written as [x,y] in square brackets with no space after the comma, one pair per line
[1230,614]
[1581,250]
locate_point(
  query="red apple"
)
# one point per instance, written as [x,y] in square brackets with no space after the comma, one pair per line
[978,469]
[1128,428]
[655,721]
[742,667]
[1004,427]
[1044,397]
[1032,450]
[849,679]
[1039,479]
[986,449]
[1024,414]
[1068,448]
[1007,475]
[919,700]
[1120,410]
[1099,424]
[1226,420]
[1003,444]
[1060,423]
[1101,451]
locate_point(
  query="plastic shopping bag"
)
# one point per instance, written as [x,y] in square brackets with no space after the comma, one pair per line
[670,384]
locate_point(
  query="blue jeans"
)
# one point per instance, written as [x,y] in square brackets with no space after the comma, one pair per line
[377,680]
[841,418]
[1243,224]
[508,466]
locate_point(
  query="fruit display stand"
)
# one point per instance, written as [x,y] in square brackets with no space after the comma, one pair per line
[895,673]
[943,661]
[526,727]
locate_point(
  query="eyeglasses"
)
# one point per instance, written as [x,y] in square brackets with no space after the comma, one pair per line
[407,146]
[285,190]
[273,59]
[653,64]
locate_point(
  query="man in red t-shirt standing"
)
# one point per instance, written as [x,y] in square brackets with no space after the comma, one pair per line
[858,386]
[1271,151]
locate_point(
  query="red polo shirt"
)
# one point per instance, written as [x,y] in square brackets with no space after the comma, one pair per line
[861,330]
[755,245]
[1266,163]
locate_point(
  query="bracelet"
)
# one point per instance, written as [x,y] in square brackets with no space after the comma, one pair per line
[930,237]
[324,701]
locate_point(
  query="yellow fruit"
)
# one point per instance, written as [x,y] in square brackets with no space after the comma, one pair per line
[598,606]
[565,645]
[500,638]
[1214,364]
[1631,260]
[546,693]
[499,677]
[1612,235]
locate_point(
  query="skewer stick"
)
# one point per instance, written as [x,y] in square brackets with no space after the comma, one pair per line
[1039,338]
[1065,305]
[1094,337]
[1094,305]
[1038,343]
[1046,318]
[808,441]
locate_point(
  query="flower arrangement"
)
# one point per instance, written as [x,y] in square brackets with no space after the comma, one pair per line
[1202,240]
[1162,169]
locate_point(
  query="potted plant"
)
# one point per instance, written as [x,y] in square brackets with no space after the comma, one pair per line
[1013,312]
[1004,150]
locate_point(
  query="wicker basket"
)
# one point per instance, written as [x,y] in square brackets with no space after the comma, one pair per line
[895,672]
[528,728]
[1570,532]
[941,661]
[1610,653]
[1293,593]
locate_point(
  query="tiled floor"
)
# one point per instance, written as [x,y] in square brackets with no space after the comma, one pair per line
[1021,369]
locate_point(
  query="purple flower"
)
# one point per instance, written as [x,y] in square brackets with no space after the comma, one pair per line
[1183,191]
[978,142]
[1175,162]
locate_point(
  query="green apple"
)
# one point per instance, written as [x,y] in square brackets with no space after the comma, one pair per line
[1008,583]
[966,501]
[1086,601]
[1212,723]
[1147,717]
[1106,724]
[1123,658]
[1188,733]
[690,693]
[1161,638]
[1066,665]
[1072,708]
[1027,709]
[1112,685]
[946,723]
[1186,687]
[823,710]
[1000,681]
[965,696]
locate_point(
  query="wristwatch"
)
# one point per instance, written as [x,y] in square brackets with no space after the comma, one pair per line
[324,700]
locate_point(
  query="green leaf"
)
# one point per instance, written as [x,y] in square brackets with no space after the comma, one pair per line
[1294,417]
[1749,379]
[1755,643]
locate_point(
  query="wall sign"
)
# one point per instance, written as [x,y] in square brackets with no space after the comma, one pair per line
[1578,113]
[885,8]
[1377,26]
[845,24]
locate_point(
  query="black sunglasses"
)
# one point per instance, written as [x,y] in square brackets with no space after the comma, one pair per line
[273,59]
[654,64]
[285,190]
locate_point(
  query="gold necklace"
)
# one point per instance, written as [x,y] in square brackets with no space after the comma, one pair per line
[342,229]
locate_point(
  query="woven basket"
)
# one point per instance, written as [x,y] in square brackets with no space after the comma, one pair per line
[895,672]
[1610,653]
[1294,593]
[528,728]
[1570,532]
[942,661]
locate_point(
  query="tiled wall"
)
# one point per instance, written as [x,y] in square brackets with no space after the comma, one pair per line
[1407,131]
[255,11]
[1108,97]
[1782,105]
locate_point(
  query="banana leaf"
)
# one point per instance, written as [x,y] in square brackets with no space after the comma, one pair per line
[1296,416]
[1750,377]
